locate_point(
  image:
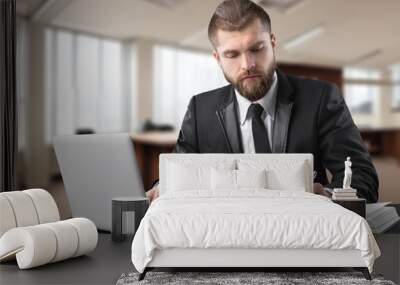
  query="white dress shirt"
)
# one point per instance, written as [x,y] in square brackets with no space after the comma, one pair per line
[268,102]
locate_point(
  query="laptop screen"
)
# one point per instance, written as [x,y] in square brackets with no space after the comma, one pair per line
[95,169]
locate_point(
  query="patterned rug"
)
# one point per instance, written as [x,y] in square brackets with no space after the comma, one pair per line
[243,278]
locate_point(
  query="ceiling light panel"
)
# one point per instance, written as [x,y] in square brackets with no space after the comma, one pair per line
[304,37]
[283,6]
[167,4]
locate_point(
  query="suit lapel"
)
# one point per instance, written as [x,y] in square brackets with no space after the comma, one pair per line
[284,104]
[228,119]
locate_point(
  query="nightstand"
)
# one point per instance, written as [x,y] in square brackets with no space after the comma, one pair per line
[357,205]
[120,205]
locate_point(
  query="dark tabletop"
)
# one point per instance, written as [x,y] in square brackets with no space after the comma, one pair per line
[396,228]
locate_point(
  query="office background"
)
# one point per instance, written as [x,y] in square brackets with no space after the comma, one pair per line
[109,66]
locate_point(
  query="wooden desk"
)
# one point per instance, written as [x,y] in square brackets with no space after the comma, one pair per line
[381,141]
[148,147]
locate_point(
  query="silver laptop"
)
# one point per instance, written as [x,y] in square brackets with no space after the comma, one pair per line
[95,169]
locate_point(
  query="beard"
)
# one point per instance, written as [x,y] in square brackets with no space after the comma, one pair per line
[258,89]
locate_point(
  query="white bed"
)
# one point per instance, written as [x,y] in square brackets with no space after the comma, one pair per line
[229,216]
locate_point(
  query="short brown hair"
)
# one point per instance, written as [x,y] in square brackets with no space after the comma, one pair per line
[235,15]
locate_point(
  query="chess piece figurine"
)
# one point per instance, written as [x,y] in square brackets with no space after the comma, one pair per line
[347,174]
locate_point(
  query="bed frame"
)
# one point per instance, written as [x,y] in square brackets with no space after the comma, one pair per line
[256,258]
[242,258]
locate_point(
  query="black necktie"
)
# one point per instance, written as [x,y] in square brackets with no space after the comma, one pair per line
[260,134]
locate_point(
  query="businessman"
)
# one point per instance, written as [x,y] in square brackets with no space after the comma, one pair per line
[266,111]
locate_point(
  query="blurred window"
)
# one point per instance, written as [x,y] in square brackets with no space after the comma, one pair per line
[396,88]
[87,81]
[83,84]
[361,91]
[359,73]
[178,74]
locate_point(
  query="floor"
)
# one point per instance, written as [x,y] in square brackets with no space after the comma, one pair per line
[110,259]
[103,266]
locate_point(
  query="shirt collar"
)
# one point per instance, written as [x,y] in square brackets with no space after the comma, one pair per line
[267,102]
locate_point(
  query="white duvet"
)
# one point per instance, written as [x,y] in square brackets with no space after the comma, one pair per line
[253,218]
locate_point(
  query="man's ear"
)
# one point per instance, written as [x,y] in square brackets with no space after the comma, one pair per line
[273,41]
[216,56]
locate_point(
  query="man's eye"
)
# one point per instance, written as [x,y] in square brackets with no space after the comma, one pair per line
[257,49]
[231,55]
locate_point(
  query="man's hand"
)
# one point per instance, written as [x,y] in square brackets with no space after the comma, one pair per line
[153,194]
[319,189]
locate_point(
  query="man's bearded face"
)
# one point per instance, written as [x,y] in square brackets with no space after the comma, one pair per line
[253,84]
[247,59]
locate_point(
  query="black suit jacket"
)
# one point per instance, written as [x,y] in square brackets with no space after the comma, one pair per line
[311,117]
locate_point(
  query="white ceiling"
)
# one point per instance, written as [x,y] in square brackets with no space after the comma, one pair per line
[354,29]
[28,7]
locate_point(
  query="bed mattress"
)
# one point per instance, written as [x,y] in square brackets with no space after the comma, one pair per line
[250,219]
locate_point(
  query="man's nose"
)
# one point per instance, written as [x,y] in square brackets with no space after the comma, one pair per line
[248,61]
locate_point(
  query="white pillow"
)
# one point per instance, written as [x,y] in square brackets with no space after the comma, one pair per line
[236,179]
[281,174]
[251,178]
[291,180]
[188,175]
[182,178]
[223,179]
